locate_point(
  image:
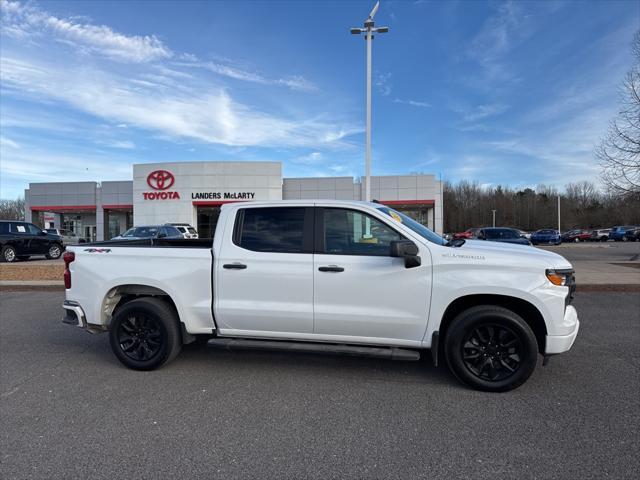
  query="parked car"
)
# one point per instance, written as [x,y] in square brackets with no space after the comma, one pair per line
[68,236]
[600,235]
[618,233]
[308,276]
[576,235]
[185,229]
[469,233]
[547,236]
[632,235]
[506,235]
[150,231]
[19,240]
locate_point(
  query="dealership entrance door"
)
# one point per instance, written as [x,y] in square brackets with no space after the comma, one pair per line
[207,220]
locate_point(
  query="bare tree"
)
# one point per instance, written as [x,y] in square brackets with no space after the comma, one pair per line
[12,209]
[619,152]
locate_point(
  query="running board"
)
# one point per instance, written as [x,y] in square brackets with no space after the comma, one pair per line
[391,353]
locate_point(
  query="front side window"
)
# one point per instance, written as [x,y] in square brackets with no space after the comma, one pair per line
[349,232]
[278,229]
[33,230]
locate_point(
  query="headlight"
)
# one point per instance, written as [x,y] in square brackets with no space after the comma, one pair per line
[561,278]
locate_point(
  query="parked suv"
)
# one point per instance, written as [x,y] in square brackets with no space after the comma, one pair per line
[506,235]
[19,240]
[600,235]
[150,231]
[185,229]
[546,236]
[632,235]
[68,236]
[618,233]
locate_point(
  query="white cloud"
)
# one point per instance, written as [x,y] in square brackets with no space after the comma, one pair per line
[295,82]
[484,111]
[383,82]
[123,144]
[312,158]
[209,115]
[7,142]
[413,103]
[23,21]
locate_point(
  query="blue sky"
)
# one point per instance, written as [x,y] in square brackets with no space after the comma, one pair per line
[511,93]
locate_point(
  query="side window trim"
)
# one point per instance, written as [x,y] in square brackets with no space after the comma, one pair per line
[320,247]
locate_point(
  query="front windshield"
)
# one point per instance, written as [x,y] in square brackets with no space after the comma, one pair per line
[141,232]
[413,225]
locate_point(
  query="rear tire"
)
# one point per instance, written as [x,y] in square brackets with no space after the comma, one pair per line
[491,348]
[144,333]
[8,254]
[54,251]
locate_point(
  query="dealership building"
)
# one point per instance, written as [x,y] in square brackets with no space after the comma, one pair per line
[192,192]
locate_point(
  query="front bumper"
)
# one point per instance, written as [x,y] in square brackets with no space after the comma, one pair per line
[561,343]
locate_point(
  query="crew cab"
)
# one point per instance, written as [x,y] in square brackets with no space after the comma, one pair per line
[328,276]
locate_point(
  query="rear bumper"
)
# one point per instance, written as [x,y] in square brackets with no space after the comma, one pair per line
[73,314]
[562,343]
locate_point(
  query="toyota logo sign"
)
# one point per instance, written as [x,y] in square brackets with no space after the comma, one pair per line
[160,179]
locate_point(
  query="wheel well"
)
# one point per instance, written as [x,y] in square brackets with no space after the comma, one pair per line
[526,310]
[118,296]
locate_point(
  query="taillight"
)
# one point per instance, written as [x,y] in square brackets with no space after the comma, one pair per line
[68,257]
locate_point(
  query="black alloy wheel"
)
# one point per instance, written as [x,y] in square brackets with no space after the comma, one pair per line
[491,348]
[145,334]
[492,352]
[140,337]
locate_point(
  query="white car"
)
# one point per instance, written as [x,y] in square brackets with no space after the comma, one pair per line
[68,236]
[328,276]
[185,229]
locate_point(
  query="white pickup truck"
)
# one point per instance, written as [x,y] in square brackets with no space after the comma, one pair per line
[329,276]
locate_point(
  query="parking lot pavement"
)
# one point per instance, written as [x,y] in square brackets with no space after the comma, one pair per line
[602,263]
[70,410]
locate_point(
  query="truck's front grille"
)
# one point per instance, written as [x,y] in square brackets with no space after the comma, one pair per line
[571,283]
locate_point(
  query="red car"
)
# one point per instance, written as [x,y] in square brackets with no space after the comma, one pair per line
[470,233]
[576,236]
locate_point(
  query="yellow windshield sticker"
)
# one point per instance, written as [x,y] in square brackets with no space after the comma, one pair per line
[396,217]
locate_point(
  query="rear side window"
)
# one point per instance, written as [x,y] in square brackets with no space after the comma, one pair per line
[181,229]
[278,230]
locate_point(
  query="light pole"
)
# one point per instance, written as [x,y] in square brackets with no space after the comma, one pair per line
[368,31]
[558,213]
[494,217]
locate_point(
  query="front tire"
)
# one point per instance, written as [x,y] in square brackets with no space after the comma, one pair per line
[144,334]
[491,348]
[54,252]
[8,254]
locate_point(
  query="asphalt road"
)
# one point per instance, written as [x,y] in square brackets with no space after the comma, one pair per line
[70,410]
[597,251]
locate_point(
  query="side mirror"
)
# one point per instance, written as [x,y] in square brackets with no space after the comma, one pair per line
[408,250]
[43,233]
